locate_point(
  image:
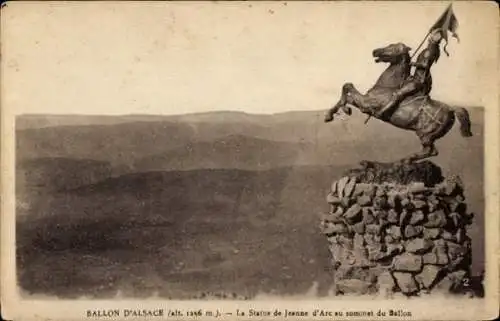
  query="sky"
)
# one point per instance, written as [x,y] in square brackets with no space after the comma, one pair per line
[182,57]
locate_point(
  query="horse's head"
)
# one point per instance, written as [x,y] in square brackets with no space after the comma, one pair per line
[393,53]
[398,57]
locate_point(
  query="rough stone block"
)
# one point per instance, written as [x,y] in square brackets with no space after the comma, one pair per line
[346,202]
[393,216]
[364,200]
[353,214]
[461,236]
[374,229]
[417,187]
[451,281]
[448,236]
[453,186]
[380,202]
[332,199]
[456,219]
[389,239]
[393,201]
[428,276]
[338,210]
[407,262]
[344,272]
[337,252]
[333,190]
[417,217]
[432,204]
[374,251]
[353,286]
[368,217]
[438,255]
[360,189]
[359,228]
[436,219]
[394,231]
[331,217]
[419,204]
[458,207]
[455,250]
[431,233]
[363,262]
[419,246]
[391,251]
[358,241]
[379,214]
[406,282]
[334,228]
[349,187]
[385,282]
[413,231]
[341,183]
[394,249]
[369,239]
[404,217]
[346,241]
[408,205]
[381,191]
[429,258]
[433,199]
[405,201]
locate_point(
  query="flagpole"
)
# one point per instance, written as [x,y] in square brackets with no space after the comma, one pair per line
[420,45]
[447,12]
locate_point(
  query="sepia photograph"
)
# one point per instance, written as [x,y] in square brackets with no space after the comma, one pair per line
[242,160]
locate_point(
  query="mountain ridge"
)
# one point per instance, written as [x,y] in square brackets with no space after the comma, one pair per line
[27,121]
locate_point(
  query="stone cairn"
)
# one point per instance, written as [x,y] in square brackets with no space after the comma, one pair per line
[398,228]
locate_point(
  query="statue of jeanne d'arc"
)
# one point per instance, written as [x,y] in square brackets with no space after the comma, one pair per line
[402,99]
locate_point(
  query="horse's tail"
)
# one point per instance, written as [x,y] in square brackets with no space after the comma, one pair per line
[464,120]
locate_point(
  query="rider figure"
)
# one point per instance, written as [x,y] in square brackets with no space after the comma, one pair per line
[421,79]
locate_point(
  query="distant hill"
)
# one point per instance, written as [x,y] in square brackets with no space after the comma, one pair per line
[233,151]
[34,121]
[117,144]
[126,143]
[53,174]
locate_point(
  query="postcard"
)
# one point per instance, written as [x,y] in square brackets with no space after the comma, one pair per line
[249,160]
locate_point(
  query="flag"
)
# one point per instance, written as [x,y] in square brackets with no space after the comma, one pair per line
[447,22]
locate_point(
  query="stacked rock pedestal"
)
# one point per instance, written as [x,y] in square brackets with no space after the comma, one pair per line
[400,228]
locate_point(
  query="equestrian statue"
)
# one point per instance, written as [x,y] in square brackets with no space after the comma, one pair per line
[402,99]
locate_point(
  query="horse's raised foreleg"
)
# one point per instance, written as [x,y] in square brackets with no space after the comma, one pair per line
[358,100]
[340,104]
[332,111]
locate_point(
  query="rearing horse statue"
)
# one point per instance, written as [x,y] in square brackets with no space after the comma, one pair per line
[428,118]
